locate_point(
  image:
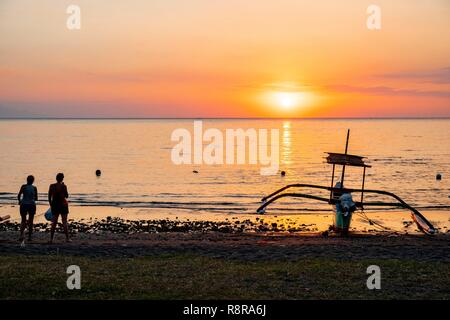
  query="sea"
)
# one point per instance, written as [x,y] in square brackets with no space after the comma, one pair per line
[140,179]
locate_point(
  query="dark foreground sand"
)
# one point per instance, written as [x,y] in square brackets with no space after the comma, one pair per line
[246,240]
[243,246]
[224,265]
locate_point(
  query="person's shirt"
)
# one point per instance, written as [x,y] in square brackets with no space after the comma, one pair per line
[347,203]
[347,199]
[29,194]
[58,193]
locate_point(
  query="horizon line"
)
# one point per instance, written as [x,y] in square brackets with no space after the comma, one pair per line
[226,118]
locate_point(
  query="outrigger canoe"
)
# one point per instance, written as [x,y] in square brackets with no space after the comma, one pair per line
[345,159]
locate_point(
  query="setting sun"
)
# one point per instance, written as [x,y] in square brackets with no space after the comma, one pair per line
[288,100]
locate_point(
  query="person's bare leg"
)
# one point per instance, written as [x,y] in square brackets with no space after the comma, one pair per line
[52,229]
[65,227]
[23,225]
[30,226]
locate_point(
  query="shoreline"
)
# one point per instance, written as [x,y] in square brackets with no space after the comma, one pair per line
[123,219]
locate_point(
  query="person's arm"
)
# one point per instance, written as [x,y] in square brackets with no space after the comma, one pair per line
[66,194]
[20,194]
[35,194]
[50,192]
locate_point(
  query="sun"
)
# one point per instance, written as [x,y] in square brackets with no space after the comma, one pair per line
[288,100]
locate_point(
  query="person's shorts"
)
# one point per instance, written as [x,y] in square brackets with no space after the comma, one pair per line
[59,209]
[27,209]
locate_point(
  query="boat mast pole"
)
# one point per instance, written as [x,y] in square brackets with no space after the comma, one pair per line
[343,167]
[362,188]
[332,183]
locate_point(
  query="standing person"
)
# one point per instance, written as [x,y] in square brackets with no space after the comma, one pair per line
[57,197]
[27,206]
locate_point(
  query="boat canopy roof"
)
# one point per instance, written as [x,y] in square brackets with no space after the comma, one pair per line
[346,160]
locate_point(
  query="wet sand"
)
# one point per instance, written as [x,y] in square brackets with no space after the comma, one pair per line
[398,221]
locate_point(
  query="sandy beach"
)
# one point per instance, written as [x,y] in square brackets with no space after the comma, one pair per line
[243,246]
[221,265]
[125,253]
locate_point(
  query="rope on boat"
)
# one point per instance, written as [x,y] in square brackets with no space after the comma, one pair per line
[362,214]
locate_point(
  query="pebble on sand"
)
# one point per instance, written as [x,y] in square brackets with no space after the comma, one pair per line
[121,226]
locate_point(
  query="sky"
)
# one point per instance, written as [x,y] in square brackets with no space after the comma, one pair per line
[217,58]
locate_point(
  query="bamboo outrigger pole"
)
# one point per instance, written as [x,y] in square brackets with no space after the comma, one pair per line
[343,167]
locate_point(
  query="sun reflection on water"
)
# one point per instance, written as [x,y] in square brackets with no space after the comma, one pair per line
[286,143]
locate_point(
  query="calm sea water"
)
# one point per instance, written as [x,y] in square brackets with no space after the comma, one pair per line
[137,171]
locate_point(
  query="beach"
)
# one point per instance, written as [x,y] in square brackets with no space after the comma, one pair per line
[218,265]
[243,246]
[233,259]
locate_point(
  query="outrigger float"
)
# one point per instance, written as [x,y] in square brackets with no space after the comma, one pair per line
[4,219]
[340,197]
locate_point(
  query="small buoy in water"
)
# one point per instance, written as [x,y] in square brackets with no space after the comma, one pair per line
[283,173]
[438,176]
[194,171]
[98,173]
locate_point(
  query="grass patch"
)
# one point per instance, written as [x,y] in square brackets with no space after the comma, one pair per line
[196,277]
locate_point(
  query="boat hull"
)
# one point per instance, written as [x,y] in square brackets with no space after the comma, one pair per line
[341,222]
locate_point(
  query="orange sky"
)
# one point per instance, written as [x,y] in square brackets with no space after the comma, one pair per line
[215,58]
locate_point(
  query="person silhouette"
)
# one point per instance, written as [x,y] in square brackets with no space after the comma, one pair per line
[57,198]
[27,198]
